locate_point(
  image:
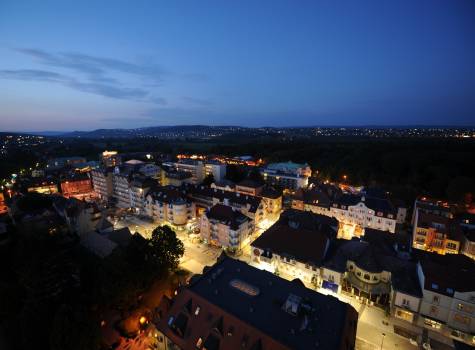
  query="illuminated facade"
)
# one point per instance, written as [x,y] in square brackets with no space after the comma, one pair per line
[436,234]
[170,205]
[448,304]
[111,158]
[102,183]
[225,227]
[78,187]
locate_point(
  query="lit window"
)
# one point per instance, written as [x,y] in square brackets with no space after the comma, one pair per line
[435,286]
[197,311]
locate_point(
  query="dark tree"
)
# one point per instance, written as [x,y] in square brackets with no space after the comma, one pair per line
[256,175]
[460,189]
[208,180]
[165,249]
[235,173]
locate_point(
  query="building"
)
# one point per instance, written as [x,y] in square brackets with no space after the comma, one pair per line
[365,268]
[194,167]
[235,306]
[102,182]
[61,162]
[139,187]
[110,159]
[81,217]
[150,170]
[206,197]
[434,207]
[272,200]
[121,178]
[468,246]
[290,176]
[224,185]
[170,205]
[215,168]
[295,246]
[226,227]
[37,173]
[3,206]
[102,244]
[77,185]
[175,178]
[355,212]
[436,234]
[448,288]
[199,169]
[250,187]
[291,168]
[406,295]
[42,185]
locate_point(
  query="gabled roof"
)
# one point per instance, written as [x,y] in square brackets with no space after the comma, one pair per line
[121,236]
[227,215]
[169,194]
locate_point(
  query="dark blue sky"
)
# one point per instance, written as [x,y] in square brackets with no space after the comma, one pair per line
[102,64]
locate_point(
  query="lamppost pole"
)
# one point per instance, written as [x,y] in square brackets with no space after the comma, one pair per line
[382,341]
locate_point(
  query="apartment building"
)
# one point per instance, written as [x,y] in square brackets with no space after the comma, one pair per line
[289,175]
[206,197]
[170,205]
[199,169]
[235,306]
[436,234]
[295,246]
[102,182]
[223,226]
[448,288]
[434,207]
[139,187]
[120,188]
[215,168]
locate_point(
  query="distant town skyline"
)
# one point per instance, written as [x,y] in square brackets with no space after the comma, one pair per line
[116,64]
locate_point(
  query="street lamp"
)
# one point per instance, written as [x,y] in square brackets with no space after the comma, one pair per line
[382,341]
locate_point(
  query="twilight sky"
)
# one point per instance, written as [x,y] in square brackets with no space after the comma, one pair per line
[82,65]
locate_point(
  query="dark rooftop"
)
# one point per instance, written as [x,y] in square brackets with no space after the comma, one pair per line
[446,274]
[284,311]
[227,215]
[306,241]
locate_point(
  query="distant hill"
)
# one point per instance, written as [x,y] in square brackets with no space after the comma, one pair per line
[158,131]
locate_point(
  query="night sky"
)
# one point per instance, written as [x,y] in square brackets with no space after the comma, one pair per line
[81,65]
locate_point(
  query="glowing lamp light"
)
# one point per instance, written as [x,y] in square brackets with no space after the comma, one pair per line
[143,320]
